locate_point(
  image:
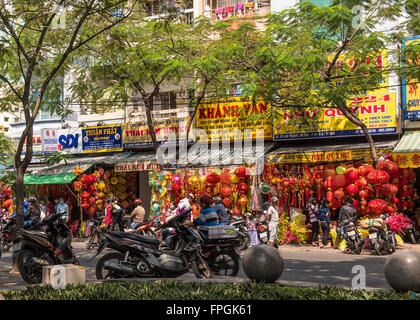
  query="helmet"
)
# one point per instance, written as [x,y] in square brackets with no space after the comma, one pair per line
[205,197]
[137,201]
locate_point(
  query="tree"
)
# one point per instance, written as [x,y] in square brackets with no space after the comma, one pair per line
[38,40]
[299,64]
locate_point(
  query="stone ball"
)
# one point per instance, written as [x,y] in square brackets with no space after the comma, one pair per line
[263,263]
[402,271]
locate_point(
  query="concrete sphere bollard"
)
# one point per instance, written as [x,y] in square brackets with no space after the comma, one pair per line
[263,263]
[402,271]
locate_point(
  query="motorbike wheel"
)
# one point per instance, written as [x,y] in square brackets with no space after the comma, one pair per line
[200,268]
[243,242]
[357,246]
[224,263]
[102,273]
[377,247]
[31,272]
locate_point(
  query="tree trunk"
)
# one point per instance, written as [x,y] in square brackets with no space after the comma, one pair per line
[197,103]
[148,102]
[353,118]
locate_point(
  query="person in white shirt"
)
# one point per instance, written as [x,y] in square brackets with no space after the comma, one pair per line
[274,220]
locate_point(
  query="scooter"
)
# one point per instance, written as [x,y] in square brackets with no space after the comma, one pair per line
[352,236]
[381,238]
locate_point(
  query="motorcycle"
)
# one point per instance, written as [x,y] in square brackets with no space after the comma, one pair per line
[262,229]
[141,256]
[94,238]
[242,231]
[35,249]
[352,236]
[381,238]
[5,242]
[151,228]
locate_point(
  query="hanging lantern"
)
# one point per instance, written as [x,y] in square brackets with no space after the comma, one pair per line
[363,204]
[377,206]
[77,185]
[335,204]
[330,173]
[85,195]
[339,194]
[352,190]
[339,181]
[225,177]
[378,177]
[77,171]
[329,196]
[92,211]
[176,187]
[389,166]
[92,201]
[389,190]
[340,170]
[363,194]
[226,202]
[225,191]
[85,205]
[403,182]
[361,182]
[213,178]
[352,176]
[241,172]
[243,188]
[328,184]
[176,178]
[242,201]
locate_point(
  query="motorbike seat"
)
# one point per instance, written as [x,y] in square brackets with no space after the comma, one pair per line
[137,237]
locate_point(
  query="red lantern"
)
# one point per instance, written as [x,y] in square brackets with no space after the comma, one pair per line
[339,194]
[378,177]
[85,205]
[403,182]
[335,204]
[91,211]
[8,203]
[243,201]
[363,204]
[339,181]
[92,201]
[243,188]
[85,195]
[241,172]
[352,190]
[352,176]
[225,191]
[389,209]
[328,184]
[363,171]
[389,166]
[363,194]
[176,187]
[77,185]
[361,182]
[226,202]
[394,200]
[225,177]
[377,206]
[213,178]
[329,196]
[411,204]
[389,190]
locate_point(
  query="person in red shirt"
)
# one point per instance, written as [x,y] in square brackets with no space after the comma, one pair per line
[108,213]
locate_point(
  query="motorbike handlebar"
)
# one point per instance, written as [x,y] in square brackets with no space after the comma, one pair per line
[180,218]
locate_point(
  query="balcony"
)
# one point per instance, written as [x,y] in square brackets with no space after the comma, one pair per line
[229,9]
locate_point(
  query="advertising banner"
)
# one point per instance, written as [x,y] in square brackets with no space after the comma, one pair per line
[377,111]
[411,87]
[330,156]
[64,140]
[36,143]
[376,108]
[102,138]
[407,159]
[229,117]
[135,166]
[138,135]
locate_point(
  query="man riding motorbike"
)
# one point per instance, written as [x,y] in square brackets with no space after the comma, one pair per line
[347,211]
[138,215]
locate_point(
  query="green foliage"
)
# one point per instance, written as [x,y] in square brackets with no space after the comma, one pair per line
[53,158]
[177,290]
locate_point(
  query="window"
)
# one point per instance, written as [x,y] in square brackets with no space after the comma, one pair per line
[6,129]
[165,101]
[6,119]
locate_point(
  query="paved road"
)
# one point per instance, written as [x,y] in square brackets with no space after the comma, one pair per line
[304,265]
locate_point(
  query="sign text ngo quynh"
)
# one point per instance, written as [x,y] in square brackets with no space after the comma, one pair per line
[377,108]
[102,138]
[411,87]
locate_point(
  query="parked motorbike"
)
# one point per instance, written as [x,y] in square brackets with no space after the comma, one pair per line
[411,232]
[141,256]
[242,231]
[151,228]
[35,249]
[94,238]
[381,237]
[262,229]
[5,242]
[352,236]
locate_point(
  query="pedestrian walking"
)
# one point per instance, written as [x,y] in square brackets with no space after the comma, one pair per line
[273,216]
[221,211]
[324,217]
[313,211]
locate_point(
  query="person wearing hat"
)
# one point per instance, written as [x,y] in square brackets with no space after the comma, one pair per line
[207,216]
[138,215]
[324,217]
[273,217]
[221,211]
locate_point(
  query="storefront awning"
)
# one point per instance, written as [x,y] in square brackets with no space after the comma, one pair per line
[407,153]
[50,179]
[54,175]
[137,162]
[327,153]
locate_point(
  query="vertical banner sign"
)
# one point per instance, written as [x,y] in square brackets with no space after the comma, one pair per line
[376,108]
[64,140]
[228,117]
[138,135]
[102,138]
[411,87]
